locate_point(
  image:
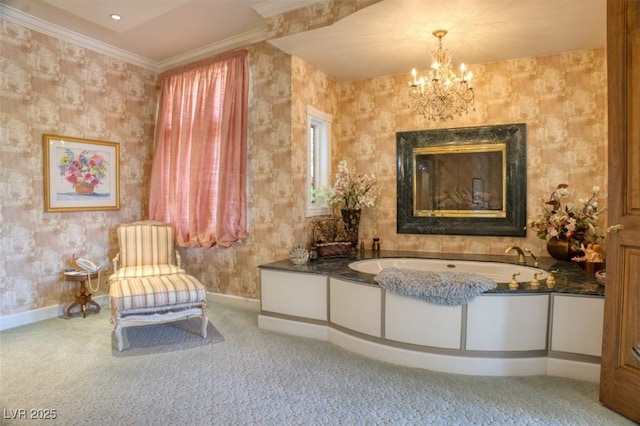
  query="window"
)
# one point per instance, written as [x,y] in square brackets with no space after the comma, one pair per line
[318,160]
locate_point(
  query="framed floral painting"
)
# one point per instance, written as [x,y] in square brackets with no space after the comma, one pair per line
[80,174]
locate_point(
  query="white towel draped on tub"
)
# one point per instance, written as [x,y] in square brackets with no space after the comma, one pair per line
[441,288]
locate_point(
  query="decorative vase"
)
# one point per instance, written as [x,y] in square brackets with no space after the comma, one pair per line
[558,249]
[83,188]
[561,249]
[299,255]
[351,218]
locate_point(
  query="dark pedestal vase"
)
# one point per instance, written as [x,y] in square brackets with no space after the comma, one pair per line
[351,218]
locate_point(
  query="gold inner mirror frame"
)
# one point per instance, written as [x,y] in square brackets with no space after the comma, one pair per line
[460,181]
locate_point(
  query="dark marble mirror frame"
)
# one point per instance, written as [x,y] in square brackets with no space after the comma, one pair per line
[513,135]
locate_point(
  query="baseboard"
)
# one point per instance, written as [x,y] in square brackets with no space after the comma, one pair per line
[41,314]
[238,302]
[573,369]
[296,328]
[439,362]
[53,311]
[432,361]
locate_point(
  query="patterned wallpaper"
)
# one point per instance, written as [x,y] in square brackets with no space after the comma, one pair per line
[316,15]
[561,98]
[51,86]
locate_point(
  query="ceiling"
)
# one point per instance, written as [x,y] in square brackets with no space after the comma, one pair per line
[389,37]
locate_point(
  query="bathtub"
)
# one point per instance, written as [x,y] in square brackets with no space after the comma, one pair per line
[499,272]
[503,332]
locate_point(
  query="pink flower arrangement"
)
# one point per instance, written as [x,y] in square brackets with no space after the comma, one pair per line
[88,168]
[574,223]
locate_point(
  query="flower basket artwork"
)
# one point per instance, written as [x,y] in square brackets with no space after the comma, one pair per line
[84,170]
[80,174]
[351,192]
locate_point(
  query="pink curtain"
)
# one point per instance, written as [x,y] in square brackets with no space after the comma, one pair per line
[198,178]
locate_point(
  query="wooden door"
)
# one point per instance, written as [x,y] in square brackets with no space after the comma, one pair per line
[620,374]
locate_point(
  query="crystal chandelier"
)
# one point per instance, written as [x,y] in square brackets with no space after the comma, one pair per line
[443,93]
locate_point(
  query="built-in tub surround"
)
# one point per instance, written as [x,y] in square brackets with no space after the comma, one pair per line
[526,331]
[499,272]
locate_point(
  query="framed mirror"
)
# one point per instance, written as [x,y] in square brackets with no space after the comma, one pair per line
[463,181]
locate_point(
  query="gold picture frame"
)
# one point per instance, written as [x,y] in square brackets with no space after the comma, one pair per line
[80,174]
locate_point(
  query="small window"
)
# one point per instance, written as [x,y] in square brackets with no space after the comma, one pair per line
[318,160]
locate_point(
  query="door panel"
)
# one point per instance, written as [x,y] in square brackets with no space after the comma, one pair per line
[631,310]
[620,373]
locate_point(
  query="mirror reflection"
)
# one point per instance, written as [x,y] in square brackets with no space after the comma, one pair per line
[460,181]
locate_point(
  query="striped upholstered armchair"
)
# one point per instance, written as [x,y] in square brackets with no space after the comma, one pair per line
[148,285]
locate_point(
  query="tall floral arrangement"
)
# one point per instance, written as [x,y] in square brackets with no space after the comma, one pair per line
[576,223]
[88,168]
[351,191]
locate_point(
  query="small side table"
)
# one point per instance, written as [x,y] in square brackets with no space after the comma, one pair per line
[82,298]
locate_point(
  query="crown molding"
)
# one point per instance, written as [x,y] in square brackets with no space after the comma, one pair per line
[14,15]
[11,14]
[240,40]
[269,8]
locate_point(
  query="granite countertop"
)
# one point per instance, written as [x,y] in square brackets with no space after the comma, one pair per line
[570,278]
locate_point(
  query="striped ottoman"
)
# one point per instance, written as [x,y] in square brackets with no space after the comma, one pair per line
[156,299]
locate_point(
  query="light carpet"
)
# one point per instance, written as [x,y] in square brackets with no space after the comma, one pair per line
[256,377]
[168,337]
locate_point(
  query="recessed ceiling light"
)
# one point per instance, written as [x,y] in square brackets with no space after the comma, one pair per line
[115,17]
